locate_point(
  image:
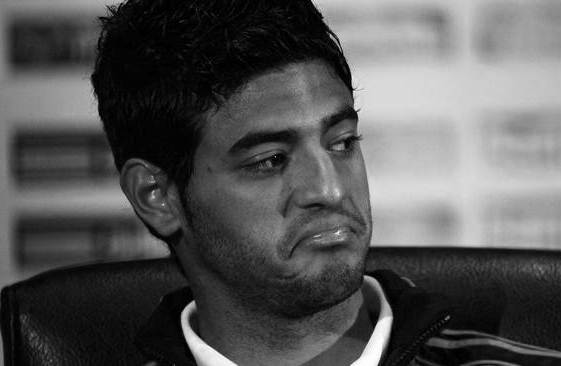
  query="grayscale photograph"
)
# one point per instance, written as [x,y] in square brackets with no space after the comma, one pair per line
[280,182]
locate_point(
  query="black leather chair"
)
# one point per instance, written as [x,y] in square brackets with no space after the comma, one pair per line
[88,315]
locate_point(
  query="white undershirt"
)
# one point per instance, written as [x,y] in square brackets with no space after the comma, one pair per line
[205,355]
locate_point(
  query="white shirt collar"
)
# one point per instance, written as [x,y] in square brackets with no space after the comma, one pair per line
[205,355]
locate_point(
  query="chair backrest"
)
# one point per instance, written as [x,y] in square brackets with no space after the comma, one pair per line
[88,315]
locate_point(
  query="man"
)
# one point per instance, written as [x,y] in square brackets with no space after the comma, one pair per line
[234,130]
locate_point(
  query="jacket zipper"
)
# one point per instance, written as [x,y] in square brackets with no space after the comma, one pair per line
[429,332]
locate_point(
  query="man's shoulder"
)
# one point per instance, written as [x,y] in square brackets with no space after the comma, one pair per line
[470,347]
[161,337]
[448,347]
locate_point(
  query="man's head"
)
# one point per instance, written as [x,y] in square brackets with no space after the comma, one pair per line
[233,124]
[162,64]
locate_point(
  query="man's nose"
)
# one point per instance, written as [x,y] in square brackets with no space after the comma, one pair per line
[318,181]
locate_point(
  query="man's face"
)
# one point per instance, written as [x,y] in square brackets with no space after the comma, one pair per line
[278,202]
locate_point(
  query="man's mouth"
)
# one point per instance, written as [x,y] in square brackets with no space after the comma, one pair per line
[327,238]
[324,231]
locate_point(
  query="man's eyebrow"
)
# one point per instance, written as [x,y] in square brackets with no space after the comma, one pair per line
[347,113]
[256,138]
[289,135]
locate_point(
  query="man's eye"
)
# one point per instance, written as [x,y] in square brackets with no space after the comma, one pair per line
[268,165]
[347,144]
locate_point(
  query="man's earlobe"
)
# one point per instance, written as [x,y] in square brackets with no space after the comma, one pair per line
[152,195]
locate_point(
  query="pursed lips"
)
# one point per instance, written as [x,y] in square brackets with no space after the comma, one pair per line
[335,234]
[325,236]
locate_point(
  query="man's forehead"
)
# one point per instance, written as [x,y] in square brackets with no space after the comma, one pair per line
[291,97]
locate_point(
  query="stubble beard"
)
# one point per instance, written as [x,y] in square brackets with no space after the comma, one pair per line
[246,274]
[307,296]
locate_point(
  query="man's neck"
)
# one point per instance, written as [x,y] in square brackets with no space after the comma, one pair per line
[334,336]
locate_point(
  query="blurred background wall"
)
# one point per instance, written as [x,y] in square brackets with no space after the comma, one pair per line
[460,112]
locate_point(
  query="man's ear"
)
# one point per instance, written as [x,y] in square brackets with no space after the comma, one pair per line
[153,196]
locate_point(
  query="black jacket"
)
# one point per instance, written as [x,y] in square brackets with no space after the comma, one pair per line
[417,316]
[418,336]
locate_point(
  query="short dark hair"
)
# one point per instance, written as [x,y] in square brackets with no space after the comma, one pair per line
[161,64]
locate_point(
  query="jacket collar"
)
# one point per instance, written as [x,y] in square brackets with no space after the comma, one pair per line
[417,316]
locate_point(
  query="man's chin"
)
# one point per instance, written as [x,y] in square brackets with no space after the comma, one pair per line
[313,293]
